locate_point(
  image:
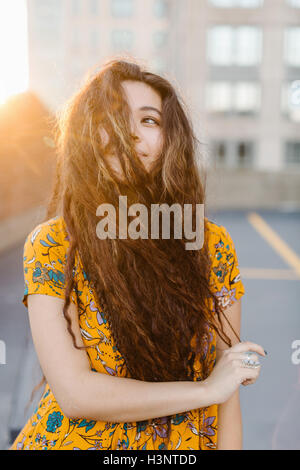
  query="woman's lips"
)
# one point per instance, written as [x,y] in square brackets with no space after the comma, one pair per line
[142,155]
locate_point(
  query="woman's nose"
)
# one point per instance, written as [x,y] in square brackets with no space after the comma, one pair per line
[134,137]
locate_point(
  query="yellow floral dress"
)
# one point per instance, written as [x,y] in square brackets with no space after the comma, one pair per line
[48,428]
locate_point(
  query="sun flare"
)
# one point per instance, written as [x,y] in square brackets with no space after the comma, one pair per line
[13,48]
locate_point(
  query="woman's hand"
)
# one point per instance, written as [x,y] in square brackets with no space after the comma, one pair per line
[229,372]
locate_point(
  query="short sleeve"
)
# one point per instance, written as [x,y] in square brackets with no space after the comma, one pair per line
[44,260]
[226,274]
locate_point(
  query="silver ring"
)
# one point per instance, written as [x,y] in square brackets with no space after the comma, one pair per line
[248,362]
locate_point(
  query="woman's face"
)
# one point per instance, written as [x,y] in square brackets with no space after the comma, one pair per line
[145,106]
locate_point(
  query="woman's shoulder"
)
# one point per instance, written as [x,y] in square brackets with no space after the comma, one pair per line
[225,271]
[44,259]
[218,235]
[47,243]
[51,231]
[221,246]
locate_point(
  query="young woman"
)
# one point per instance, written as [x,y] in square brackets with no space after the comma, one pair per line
[130,333]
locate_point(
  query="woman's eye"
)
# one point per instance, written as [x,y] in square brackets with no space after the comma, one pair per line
[151,119]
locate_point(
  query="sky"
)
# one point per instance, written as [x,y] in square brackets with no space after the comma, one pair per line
[13,48]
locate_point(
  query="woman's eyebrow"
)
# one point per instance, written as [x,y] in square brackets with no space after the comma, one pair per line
[150,108]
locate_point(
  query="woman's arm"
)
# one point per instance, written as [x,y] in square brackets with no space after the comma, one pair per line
[82,393]
[230,431]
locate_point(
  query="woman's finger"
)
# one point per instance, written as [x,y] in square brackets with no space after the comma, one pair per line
[248,382]
[248,346]
[249,373]
[242,356]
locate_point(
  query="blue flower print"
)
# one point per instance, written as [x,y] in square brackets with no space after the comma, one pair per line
[54,421]
[87,424]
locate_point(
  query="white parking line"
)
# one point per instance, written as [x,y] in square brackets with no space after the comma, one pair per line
[270,274]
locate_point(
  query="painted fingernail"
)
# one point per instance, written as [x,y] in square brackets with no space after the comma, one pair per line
[265,352]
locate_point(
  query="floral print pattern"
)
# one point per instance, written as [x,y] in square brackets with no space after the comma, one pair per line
[48,428]
[54,421]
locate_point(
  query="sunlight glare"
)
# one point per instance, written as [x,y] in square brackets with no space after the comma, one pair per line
[13,48]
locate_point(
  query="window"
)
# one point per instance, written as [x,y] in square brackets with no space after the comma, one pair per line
[228,97]
[94,7]
[220,152]
[161,8]
[244,154]
[229,45]
[292,153]
[246,97]
[292,46]
[218,97]
[248,45]
[290,100]
[220,45]
[294,3]
[48,21]
[233,154]
[160,38]
[237,3]
[122,8]
[43,9]
[122,40]
[76,6]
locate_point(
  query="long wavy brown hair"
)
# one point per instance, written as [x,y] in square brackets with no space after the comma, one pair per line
[155,293]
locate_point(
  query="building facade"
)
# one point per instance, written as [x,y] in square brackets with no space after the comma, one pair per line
[236,64]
